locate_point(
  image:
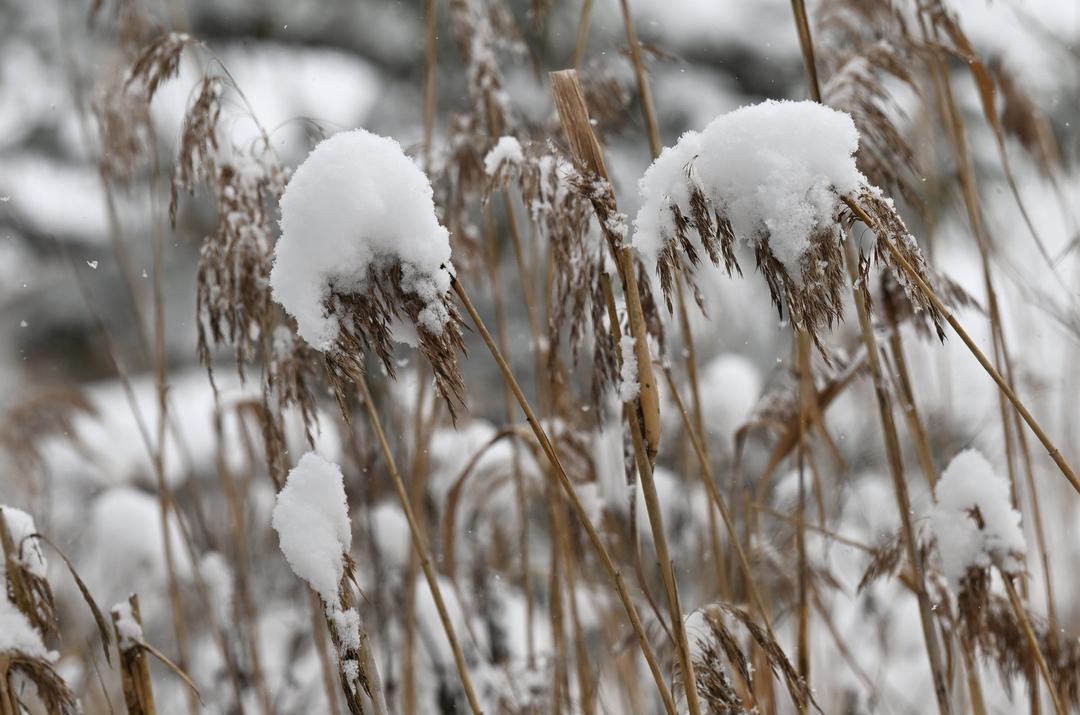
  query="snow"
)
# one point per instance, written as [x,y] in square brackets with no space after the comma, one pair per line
[730,387]
[127,626]
[777,166]
[390,531]
[311,517]
[125,523]
[357,201]
[55,198]
[20,526]
[16,633]
[967,484]
[628,383]
[506,152]
[111,450]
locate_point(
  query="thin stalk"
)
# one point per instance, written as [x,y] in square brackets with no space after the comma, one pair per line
[667,570]
[644,92]
[971,670]
[326,666]
[534,328]
[725,513]
[559,689]
[586,683]
[575,502]
[806,392]
[431,12]
[164,493]
[1055,454]
[574,116]
[416,492]
[896,470]
[582,33]
[1033,643]
[419,545]
[656,522]
[802,24]
[907,396]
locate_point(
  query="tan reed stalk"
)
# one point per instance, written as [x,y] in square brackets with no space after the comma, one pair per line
[1033,643]
[677,632]
[1037,520]
[644,93]
[1055,454]
[134,667]
[969,190]
[559,677]
[419,463]
[242,561]
[586,683]
[907,398]
[655,147]
[571,493]
[158,456]
[574,116]
[698,424]
[431,13]
[806,392]
[326,665]
[725,513]
[9,703]
[667,571]
[803,369]
[896,470]
[361,654]
[419,544]
[630,416]
[971,671]
[582,33]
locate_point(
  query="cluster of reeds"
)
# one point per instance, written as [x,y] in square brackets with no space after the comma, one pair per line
[631,619]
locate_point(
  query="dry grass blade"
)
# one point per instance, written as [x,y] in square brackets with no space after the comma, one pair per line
[366,327]
[884,562]
[99,617]
[49,687]
[775,657]
[942,19]
[159,62]
[28,424]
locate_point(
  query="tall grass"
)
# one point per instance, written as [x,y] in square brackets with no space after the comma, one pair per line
[742,586]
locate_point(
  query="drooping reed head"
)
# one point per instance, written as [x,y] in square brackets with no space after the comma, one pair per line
[782,178]
[363,261]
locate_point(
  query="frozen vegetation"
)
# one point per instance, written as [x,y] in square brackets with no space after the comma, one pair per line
[353,363]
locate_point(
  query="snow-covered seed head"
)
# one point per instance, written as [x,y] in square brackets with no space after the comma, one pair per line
[974,522]
[777,176]
[360,249]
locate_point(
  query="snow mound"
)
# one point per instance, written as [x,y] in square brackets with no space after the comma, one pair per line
[357,202]
[974,522]
[311,517]
[506,151]
[775,168]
